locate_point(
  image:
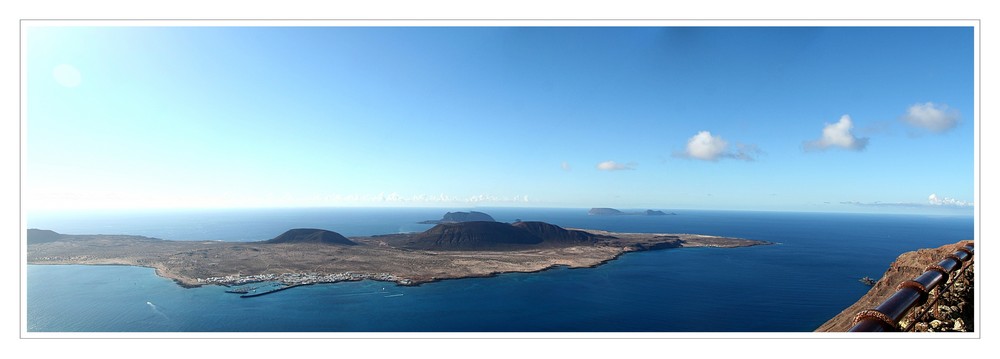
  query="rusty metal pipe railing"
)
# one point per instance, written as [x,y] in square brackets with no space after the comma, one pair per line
[910,293]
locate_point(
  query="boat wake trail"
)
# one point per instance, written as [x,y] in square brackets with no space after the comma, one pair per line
[157,310]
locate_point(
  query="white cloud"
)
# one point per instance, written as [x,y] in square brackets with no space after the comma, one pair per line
[704,146]
[932,117]
[882,204]
[933,199]
[67,75]
[615,166]
[838,135]
[565,166]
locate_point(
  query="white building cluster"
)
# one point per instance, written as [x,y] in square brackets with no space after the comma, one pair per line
[302,278]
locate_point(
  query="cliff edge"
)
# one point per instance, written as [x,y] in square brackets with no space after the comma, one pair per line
[907,266]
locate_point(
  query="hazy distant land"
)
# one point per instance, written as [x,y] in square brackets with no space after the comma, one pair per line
[307,256]
[455,217]
[615,212]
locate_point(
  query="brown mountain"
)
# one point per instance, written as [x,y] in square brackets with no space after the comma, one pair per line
[311,235]
[478,235]
[498,236]
[553,234]
[42,236]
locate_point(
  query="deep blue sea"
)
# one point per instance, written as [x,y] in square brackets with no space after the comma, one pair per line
[794,286]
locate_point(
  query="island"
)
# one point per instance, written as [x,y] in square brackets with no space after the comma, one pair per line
[455,217]
[306,256]
[615,212]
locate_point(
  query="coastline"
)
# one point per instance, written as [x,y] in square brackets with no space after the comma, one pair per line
[404,282]
[674,270]
[194,264]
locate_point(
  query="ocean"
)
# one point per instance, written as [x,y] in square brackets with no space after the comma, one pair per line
[808,277]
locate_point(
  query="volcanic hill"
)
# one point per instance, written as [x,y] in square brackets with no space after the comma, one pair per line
[311,235]
[481,235]
[42,236]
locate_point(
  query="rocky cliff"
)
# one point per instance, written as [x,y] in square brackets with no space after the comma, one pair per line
[907,266]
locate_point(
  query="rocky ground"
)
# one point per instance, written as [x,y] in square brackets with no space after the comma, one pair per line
[188,261]
[953,311]
[907,266]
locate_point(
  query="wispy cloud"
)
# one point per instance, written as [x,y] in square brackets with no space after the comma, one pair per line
[838,135]
[933,117]
[615,166]
[884,127]
[565,166]
[746,152]
[393,197]
[883,204]
[707,147]
[934,200]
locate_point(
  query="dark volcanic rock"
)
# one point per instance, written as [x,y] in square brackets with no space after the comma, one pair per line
[36,236]
[500,236]
[478,235]
[455,217]
[661,242]
[604,212]
[554,234]
[907,266]
[310,235]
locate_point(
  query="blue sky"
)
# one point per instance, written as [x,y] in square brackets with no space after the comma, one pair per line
[867,119]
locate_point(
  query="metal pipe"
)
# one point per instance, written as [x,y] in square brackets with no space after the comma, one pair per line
[910,293]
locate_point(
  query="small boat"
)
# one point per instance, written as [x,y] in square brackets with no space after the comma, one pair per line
[867,281]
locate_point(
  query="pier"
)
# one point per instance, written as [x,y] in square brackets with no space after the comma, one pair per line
[289,280]
[278,289]
[242,290]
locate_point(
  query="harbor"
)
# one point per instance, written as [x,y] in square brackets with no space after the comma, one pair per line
[273,289]
[250,286]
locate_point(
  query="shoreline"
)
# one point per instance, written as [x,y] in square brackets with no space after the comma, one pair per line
[399,281]
[380,258]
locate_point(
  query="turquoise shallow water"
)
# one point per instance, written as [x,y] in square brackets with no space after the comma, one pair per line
[793,286]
